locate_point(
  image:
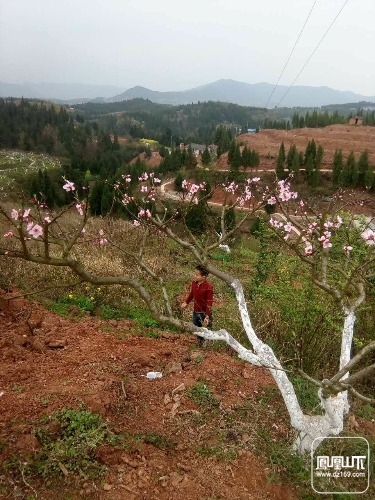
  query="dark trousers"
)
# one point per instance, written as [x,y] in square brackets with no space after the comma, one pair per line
[198,318]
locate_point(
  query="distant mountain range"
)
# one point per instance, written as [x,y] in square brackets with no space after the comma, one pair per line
[58,91]
[245,94]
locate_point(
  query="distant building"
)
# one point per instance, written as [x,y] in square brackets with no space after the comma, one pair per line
[355,120]
[251,130]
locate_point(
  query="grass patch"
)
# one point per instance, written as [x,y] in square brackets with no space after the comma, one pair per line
[307,395]
[72,303]
[68,441]
[201,394]
[142,317]
[159,441]
[219,451]
[108,312]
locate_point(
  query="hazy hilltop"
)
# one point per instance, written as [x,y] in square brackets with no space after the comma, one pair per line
[247,94]
[244,94]
[60,91]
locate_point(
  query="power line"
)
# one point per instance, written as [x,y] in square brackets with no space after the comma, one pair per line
[291,53]
[313,52]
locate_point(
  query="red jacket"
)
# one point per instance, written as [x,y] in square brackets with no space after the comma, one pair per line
[202,293]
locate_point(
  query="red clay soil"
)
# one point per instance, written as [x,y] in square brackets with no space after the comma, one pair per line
[345,137]
[152,162]
[49,362]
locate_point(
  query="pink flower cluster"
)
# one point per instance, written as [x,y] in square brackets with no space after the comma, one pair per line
[102,239]
[284,192]
[144,213]
[192,189]
[369,236]
[69,186]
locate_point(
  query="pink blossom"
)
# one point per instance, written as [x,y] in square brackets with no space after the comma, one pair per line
[26,213]
[369,236]
[47,219]
[288,227]
[327,244]
[101,232]
[141,213]
[156,180]
[271,201]
[143,189]
[232,188]
[308,248]
[184,184]
[347,249]
[79,208]
[143,177]
[285,195]
[276,224]
[69,186]
[14,214]
[127,199]
[193,189]
[103,241]
[35,231]
[9,234]
[136,223]
[255,179]
[29,226]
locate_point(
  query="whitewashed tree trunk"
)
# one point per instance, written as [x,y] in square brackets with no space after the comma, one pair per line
[335,407]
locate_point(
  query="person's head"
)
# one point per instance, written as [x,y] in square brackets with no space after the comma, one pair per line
[200,273]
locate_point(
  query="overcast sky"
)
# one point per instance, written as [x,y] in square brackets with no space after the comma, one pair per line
[175,45]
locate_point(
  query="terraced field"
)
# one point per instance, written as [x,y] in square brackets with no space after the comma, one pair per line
[14,165]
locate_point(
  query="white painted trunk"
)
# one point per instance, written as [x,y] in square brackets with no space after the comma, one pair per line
[309,427]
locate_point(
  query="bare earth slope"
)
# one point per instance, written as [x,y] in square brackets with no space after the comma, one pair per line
[49,363]
[344,137]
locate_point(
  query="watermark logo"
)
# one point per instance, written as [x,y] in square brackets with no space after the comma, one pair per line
[344,472]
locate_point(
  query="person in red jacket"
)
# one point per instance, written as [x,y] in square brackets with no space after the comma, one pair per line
[202,292]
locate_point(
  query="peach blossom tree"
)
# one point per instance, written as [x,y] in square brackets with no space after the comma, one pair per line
[338,250]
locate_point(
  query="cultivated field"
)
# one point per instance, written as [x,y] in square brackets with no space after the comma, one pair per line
[14,165]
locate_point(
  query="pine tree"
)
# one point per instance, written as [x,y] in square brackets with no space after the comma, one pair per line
[319,157]
[196,217]
[296,166]
[246,157]
[363,166]
[280,162]
[313,148]
[309,169]
[291,153]
[352,170]
[178,182]
[369,178]
[95,198]
[337,167]
[206,157]
[107,200]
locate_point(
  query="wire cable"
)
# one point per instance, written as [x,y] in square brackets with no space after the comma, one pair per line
[313,52]
[291,53]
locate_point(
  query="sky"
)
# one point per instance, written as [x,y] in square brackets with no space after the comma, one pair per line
[173,45]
